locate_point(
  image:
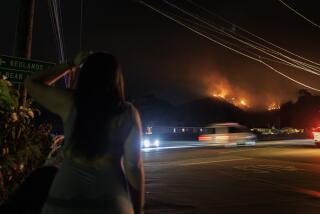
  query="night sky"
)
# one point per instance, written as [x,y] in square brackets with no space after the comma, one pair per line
[160,57]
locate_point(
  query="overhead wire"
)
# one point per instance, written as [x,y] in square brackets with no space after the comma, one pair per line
[63,57]
[53,23]
[199,27]
[317,72]
[248,32]
[310,66]
[299,14]
[59,29]
[62,43]
[56,22]
[228,47]
[55,26]
[306,66]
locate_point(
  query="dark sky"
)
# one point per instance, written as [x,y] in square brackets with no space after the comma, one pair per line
[163,58]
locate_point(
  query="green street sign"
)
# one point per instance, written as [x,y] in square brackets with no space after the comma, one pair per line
[17,69]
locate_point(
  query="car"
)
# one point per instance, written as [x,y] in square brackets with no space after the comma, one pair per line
[316,136]
[150,141]
[227,134]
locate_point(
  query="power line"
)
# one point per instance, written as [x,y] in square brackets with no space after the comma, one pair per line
[248,32]
[310,66]
[299,14]
[240,40]
[230,48]
[56,22]
[61,34]
[53,23]
[198,26]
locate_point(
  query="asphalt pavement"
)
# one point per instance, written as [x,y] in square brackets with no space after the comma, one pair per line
[271,177]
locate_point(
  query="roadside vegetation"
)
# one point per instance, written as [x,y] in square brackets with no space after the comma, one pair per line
[24,144]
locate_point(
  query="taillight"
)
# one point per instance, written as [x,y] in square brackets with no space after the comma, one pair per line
[204,138]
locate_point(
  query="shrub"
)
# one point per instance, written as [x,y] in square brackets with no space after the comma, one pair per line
[23,145]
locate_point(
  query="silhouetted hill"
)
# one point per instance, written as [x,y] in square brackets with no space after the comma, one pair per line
[304,113]
[155,111]
[266,119]
[209,110]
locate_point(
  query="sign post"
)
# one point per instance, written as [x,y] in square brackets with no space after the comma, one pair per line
[17,69]
[23,37]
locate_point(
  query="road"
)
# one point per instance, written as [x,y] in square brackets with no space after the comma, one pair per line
[271,177]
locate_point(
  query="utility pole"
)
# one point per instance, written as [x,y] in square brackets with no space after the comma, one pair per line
[23,37]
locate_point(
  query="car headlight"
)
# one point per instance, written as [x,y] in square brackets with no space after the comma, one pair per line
[146,143]
[157,143]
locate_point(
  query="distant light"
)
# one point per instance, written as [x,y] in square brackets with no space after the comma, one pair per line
[149,130]
[146,143]
[157,143]
[273,106]
[204,138]
[174,130]
[183,130]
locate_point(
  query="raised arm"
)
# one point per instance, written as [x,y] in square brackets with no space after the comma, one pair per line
[133,163]
[56,100]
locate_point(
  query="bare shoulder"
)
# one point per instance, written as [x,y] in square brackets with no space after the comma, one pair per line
[134,130]
[132,111]
[129,117]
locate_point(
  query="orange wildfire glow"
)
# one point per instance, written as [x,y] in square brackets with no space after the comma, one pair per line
[243,102]
[220,94]
[240,98]
[225,95]
[273,106]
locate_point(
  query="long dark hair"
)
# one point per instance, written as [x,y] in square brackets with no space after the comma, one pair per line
[99,98]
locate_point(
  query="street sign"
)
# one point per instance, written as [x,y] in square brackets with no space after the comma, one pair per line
[17,69]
